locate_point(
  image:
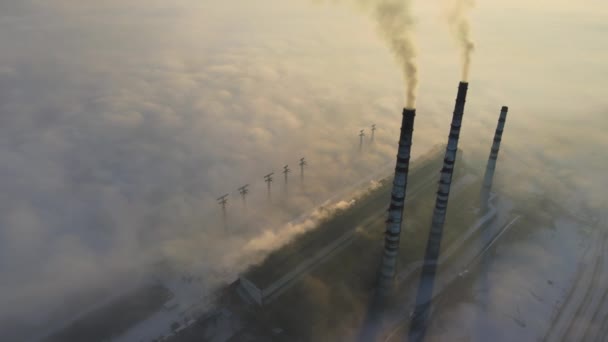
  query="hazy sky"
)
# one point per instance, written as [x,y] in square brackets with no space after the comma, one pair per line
[121,122]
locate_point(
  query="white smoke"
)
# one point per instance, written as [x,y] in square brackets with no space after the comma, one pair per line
[269,239]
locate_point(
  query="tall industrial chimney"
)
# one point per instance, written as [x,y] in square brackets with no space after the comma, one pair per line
[395,210]
[489,175]
[429,268]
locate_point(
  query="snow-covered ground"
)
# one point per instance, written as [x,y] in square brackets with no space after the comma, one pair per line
[130,283]
[584,312]
[519,291]
[183,308]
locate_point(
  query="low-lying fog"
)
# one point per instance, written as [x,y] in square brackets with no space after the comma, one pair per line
[122,122]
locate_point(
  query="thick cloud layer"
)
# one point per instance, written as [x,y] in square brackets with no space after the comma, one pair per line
[120,124]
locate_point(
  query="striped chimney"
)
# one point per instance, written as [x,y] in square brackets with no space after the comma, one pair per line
[489,175]
[395,210]
[429,268]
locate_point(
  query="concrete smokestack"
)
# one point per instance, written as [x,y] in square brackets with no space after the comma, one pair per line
[429,268]
[395,210]
[489,175]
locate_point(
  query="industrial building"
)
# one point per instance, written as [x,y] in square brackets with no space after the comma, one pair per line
[263,283]
[358,261]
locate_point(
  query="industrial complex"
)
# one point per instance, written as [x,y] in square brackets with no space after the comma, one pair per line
[362,262]
[264,282]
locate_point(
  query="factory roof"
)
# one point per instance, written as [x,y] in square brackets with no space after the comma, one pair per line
[373,203]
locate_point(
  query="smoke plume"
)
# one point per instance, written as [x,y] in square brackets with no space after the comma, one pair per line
[457,16]
[395,23]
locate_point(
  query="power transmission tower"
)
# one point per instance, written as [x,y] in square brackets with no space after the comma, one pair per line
[223,201]
[268,180]
[302,164]
[373,132]
[244,191]
[361,135]
[286,171]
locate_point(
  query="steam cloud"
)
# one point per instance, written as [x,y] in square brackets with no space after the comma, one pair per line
[457,16]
